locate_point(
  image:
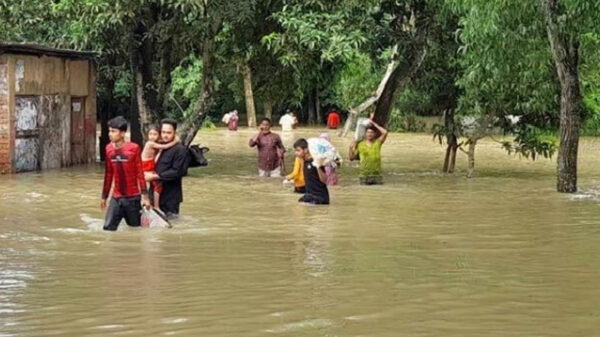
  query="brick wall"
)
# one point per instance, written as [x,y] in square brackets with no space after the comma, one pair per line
[5,165]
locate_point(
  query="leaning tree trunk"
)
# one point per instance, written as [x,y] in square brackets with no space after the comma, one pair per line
[565,50]
[400,77]
[356,111]
[268,106]
[205,101]
[249,97]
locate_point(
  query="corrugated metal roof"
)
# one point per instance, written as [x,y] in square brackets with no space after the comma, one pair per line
[32,49]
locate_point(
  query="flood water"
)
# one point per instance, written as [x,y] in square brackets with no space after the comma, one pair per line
[425,254]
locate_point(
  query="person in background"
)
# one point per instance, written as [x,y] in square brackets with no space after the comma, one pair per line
[333,120]
[294,120]
[286,121]
[332,177]
[297,176]
[368,151]
[270,150]
[314,175]
[124,175]
[232,124]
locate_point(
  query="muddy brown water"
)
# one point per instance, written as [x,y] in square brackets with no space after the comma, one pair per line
[423,255]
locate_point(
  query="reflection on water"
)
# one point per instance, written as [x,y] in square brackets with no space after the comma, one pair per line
[423,255]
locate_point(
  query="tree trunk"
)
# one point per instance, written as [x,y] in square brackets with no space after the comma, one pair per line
[471,157]
[318,108]
[205,101]
[249,96]
[311,107]
[105,114]
[565,50]
[268,105]
[353,113]
[399,77]
[164,81]
[145,92]
[451,140]
[453,151]
[134,113]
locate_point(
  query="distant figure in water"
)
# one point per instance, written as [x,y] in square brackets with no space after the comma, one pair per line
[124,172]
[332,178]
[314,175]
[287,121]
[232,124]
[368,152]
[152,148]
[333,120]
[270,150]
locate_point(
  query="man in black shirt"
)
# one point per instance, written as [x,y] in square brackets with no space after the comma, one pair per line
[314,176]
[170,168]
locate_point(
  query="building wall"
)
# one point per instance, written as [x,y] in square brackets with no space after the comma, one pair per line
[5,140]
[47,84]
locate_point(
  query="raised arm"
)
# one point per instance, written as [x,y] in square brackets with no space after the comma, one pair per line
[158,146]
[382,130]
[322,172]
[254,140]
[352,155]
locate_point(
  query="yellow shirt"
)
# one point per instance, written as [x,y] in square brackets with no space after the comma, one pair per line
[297,174]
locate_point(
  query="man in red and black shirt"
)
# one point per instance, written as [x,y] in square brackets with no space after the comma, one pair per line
[124,168]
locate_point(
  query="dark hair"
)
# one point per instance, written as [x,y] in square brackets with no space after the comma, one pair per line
[301,143]
[266,120]
[154,127]
[169,121]
[118,123]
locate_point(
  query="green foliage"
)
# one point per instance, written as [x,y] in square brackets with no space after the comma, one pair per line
[357,80]
[405,122]
[531,142]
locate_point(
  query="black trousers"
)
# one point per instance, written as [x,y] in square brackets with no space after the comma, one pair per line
[314,199]
[128,208]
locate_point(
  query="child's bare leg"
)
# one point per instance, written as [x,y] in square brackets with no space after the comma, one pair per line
[156,200]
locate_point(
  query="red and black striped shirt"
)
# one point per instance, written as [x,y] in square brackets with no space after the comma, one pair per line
[124,167]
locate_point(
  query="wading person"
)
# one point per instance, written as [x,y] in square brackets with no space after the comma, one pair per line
[171,167]
[151,150]
[270,150]
[316,192]
[368,152]
[125,175]
[333,120]
[297,176]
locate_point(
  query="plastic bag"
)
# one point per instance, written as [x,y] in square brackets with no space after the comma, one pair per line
[320,148]
[154,218]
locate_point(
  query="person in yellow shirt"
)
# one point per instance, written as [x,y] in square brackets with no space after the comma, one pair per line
[297,176]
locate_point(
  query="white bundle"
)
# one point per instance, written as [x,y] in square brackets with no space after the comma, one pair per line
[320,148]
[361,128]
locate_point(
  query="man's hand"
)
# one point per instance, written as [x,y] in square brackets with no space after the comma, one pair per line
[151,176]
[146,201]
[320,162]
[103,204]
